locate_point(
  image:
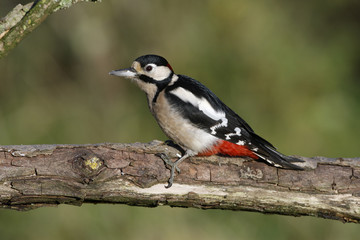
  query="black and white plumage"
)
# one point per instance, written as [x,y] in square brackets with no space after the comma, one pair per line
[195,118]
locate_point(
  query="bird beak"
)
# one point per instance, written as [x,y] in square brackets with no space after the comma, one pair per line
[127,72]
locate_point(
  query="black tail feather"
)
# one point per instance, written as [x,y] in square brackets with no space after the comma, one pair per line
[278,159]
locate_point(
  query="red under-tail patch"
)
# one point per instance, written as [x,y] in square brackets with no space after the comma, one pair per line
[229,149]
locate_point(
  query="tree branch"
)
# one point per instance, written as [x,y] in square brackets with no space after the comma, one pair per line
[44,175]
[24,19]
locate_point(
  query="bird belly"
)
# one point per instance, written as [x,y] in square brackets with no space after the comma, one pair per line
[179,129]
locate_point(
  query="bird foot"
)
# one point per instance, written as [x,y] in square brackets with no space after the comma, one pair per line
[173,166]
[168,162]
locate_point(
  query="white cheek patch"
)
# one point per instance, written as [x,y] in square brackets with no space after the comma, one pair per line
[159,73]
[203,105]
[237,133]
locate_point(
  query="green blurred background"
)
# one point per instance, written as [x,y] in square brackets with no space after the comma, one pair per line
[290,68]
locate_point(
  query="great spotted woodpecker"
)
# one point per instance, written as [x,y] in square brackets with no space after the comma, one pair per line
[195,118]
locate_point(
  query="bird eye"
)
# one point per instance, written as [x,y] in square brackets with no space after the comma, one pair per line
[148,68]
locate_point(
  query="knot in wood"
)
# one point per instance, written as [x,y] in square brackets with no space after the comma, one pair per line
[87,163]
[94,163]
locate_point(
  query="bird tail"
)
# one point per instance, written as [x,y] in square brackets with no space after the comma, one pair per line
[277,159]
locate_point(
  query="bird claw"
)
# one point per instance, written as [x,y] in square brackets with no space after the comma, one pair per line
[168,162]
[173,166]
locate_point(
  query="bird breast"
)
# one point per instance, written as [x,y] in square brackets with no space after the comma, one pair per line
[180,129]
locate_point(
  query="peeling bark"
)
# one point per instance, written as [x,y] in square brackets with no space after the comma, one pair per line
[45,175]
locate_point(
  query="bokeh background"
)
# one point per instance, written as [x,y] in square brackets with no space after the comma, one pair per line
[290,68]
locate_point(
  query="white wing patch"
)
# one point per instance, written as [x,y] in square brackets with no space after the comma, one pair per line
[240,142]
[203,105]
[223,123]
[237,133]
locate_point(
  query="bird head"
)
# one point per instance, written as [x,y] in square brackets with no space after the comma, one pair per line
[147,68]
[151,73]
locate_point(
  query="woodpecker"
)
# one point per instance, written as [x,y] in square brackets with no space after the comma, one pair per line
[195,118]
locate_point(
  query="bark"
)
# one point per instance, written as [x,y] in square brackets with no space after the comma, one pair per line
[45,175]
[24,19]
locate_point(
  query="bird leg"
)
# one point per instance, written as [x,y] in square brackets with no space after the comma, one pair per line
[173,165]
[171,143]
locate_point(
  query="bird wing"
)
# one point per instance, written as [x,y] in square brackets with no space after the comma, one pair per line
[205,110]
